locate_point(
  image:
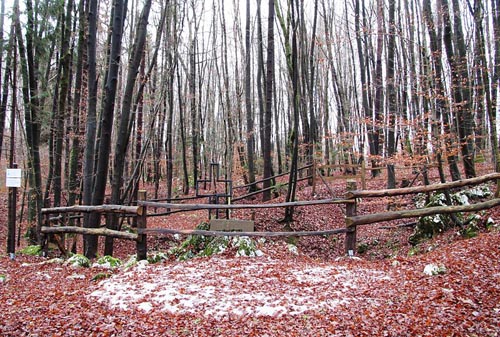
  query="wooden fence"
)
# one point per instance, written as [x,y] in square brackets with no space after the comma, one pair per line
[352,219]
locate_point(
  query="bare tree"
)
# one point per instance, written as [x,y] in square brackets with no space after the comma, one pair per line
[268,164]
[119,14]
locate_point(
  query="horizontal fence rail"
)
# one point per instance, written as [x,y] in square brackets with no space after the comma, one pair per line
[252,234]
[98,209]
[242,206]
[421,189]
[89,231]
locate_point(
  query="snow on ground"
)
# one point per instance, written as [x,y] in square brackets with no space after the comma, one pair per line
[218,287]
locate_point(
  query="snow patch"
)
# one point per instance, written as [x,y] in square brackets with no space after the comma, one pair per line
[433,269]
[218,287]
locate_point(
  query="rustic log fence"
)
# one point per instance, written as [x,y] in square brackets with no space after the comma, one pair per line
[352,219]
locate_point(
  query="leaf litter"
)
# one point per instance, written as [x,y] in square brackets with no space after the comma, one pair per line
[311,293]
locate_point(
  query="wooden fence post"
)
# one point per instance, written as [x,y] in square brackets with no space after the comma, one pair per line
[350,239]
[142,242]
[44,238]
[363,174]
[314,168]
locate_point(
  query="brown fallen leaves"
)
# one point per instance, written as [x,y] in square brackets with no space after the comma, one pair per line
[39,299]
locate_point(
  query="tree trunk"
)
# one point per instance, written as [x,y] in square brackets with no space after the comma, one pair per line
[459,88]
[439,94]
[391,97]
[268,165]
[90,241]
[65,64]
[377,122]
[250,131]
[365,93]
[119,14]
[195,129]
[292,181]
[183,136]
[5,84]
[495,84]
[123,136]
[76,150]
[261,84]
[29,71]
[171,63]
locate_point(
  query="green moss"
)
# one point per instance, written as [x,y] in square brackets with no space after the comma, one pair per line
[31,250]
[491,224]
[78,260]
[470,231]
[100,276]
[414,251]
[157,257]
[132,261]
[362,248]
[109,262]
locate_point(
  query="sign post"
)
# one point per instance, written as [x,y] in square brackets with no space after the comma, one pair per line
[12,181]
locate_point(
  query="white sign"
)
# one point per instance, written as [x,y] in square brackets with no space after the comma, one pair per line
[13,178]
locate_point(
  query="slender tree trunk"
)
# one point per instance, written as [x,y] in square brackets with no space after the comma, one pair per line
[228,116]
[466,124]
[195,129]
[90,241]
[5,87]
[377,121]
[269,102]
[29,71]
[487,89]
[261,84]
[391,97]
[65,63]
[171,65]
[365,94]
[439,93]
[292,180]
[6,80]
[183,136]
[250,130]
[459,86]
[312,91]
[76,150]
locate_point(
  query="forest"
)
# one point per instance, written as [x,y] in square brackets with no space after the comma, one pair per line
[102,99]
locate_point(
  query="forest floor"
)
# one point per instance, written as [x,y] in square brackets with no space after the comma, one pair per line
[313,290]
